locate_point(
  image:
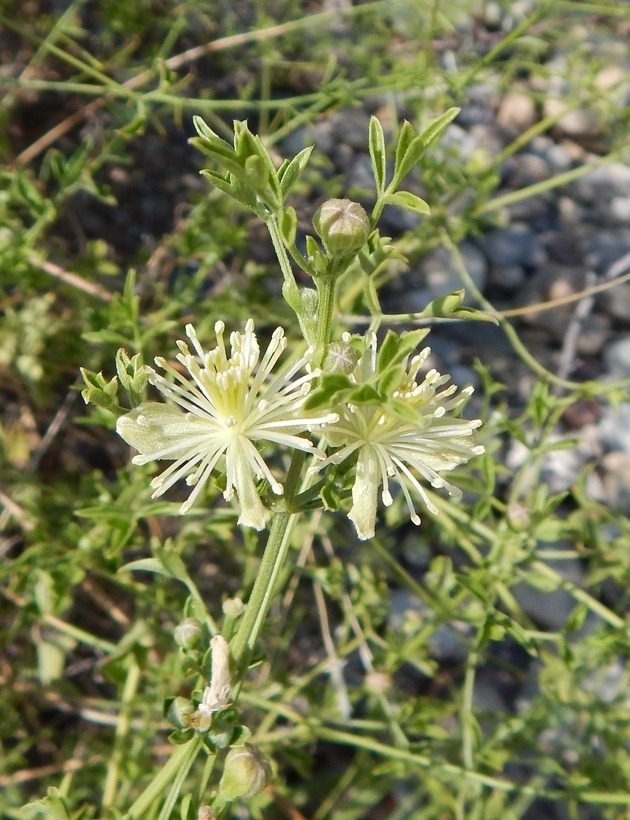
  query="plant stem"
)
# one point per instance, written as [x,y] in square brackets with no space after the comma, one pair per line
[325,307]
[272,561]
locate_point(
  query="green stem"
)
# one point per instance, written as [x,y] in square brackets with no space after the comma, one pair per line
[273,558]
[283,258]
[326,287]
[129,692]
[181,759]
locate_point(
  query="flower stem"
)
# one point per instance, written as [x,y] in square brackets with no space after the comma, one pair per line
[325,307]
[272,562]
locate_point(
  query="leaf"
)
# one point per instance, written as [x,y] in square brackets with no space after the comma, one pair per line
[377,153]
[411,202]
[288,225]
[364,394]
[391,379]
[412,148]
[329,386]
[289,173]
[403,410]
[434,130]
[405,137]
[450,307]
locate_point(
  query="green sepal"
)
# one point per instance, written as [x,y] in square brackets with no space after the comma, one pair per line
[181,736]
[315,256]
[330,497]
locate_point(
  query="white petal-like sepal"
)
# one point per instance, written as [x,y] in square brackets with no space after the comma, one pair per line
[230,401]
[390,447]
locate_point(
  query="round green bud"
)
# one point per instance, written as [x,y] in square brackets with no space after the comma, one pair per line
[189,633]
[246,773]
[340,358]
[179,711]
[343,226]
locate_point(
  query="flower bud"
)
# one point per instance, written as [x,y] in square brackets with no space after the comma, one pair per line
[343,226]
[246,773]
[517,516]
[178,712]
[189,633]
[233,607]
[340,358]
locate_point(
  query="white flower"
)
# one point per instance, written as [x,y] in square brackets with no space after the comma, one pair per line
[227,404]
[390,447]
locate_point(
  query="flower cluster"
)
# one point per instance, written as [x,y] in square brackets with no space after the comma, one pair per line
[232,403]
[227,403]
[424,442]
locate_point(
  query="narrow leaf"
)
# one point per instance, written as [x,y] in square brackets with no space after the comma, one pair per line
[411,202]
[377,153]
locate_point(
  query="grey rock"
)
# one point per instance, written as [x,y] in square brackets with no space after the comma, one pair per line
[448,642]
[509,277]
[605,246]
[613,428]
[360,175]
[620,209]
[517,111]
[616,302]
[517,245]
[551,608]
[526,169]
[617,358]
[617,480]
[351,125]
[440,273]
[602,183]
[594,333]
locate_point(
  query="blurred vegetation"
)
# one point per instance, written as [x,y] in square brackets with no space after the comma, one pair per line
[109,237]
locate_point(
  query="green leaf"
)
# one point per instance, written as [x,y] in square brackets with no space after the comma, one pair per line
[391,379]
[411,202]
[288,225]
[434,130]
[364,394]
[388,351]
[412,148]
[289,173]
[329,386]
[450,307]
[403,410]
[377,153]
[405,137]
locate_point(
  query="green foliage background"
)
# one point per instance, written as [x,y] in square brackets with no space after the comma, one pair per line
[89,651]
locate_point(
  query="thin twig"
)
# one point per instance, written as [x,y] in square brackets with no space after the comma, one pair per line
[53,428]
[70,278]
[175,62]
[335,667]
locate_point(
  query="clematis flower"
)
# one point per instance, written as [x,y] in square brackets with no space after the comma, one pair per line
[390,447]
[226,404]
